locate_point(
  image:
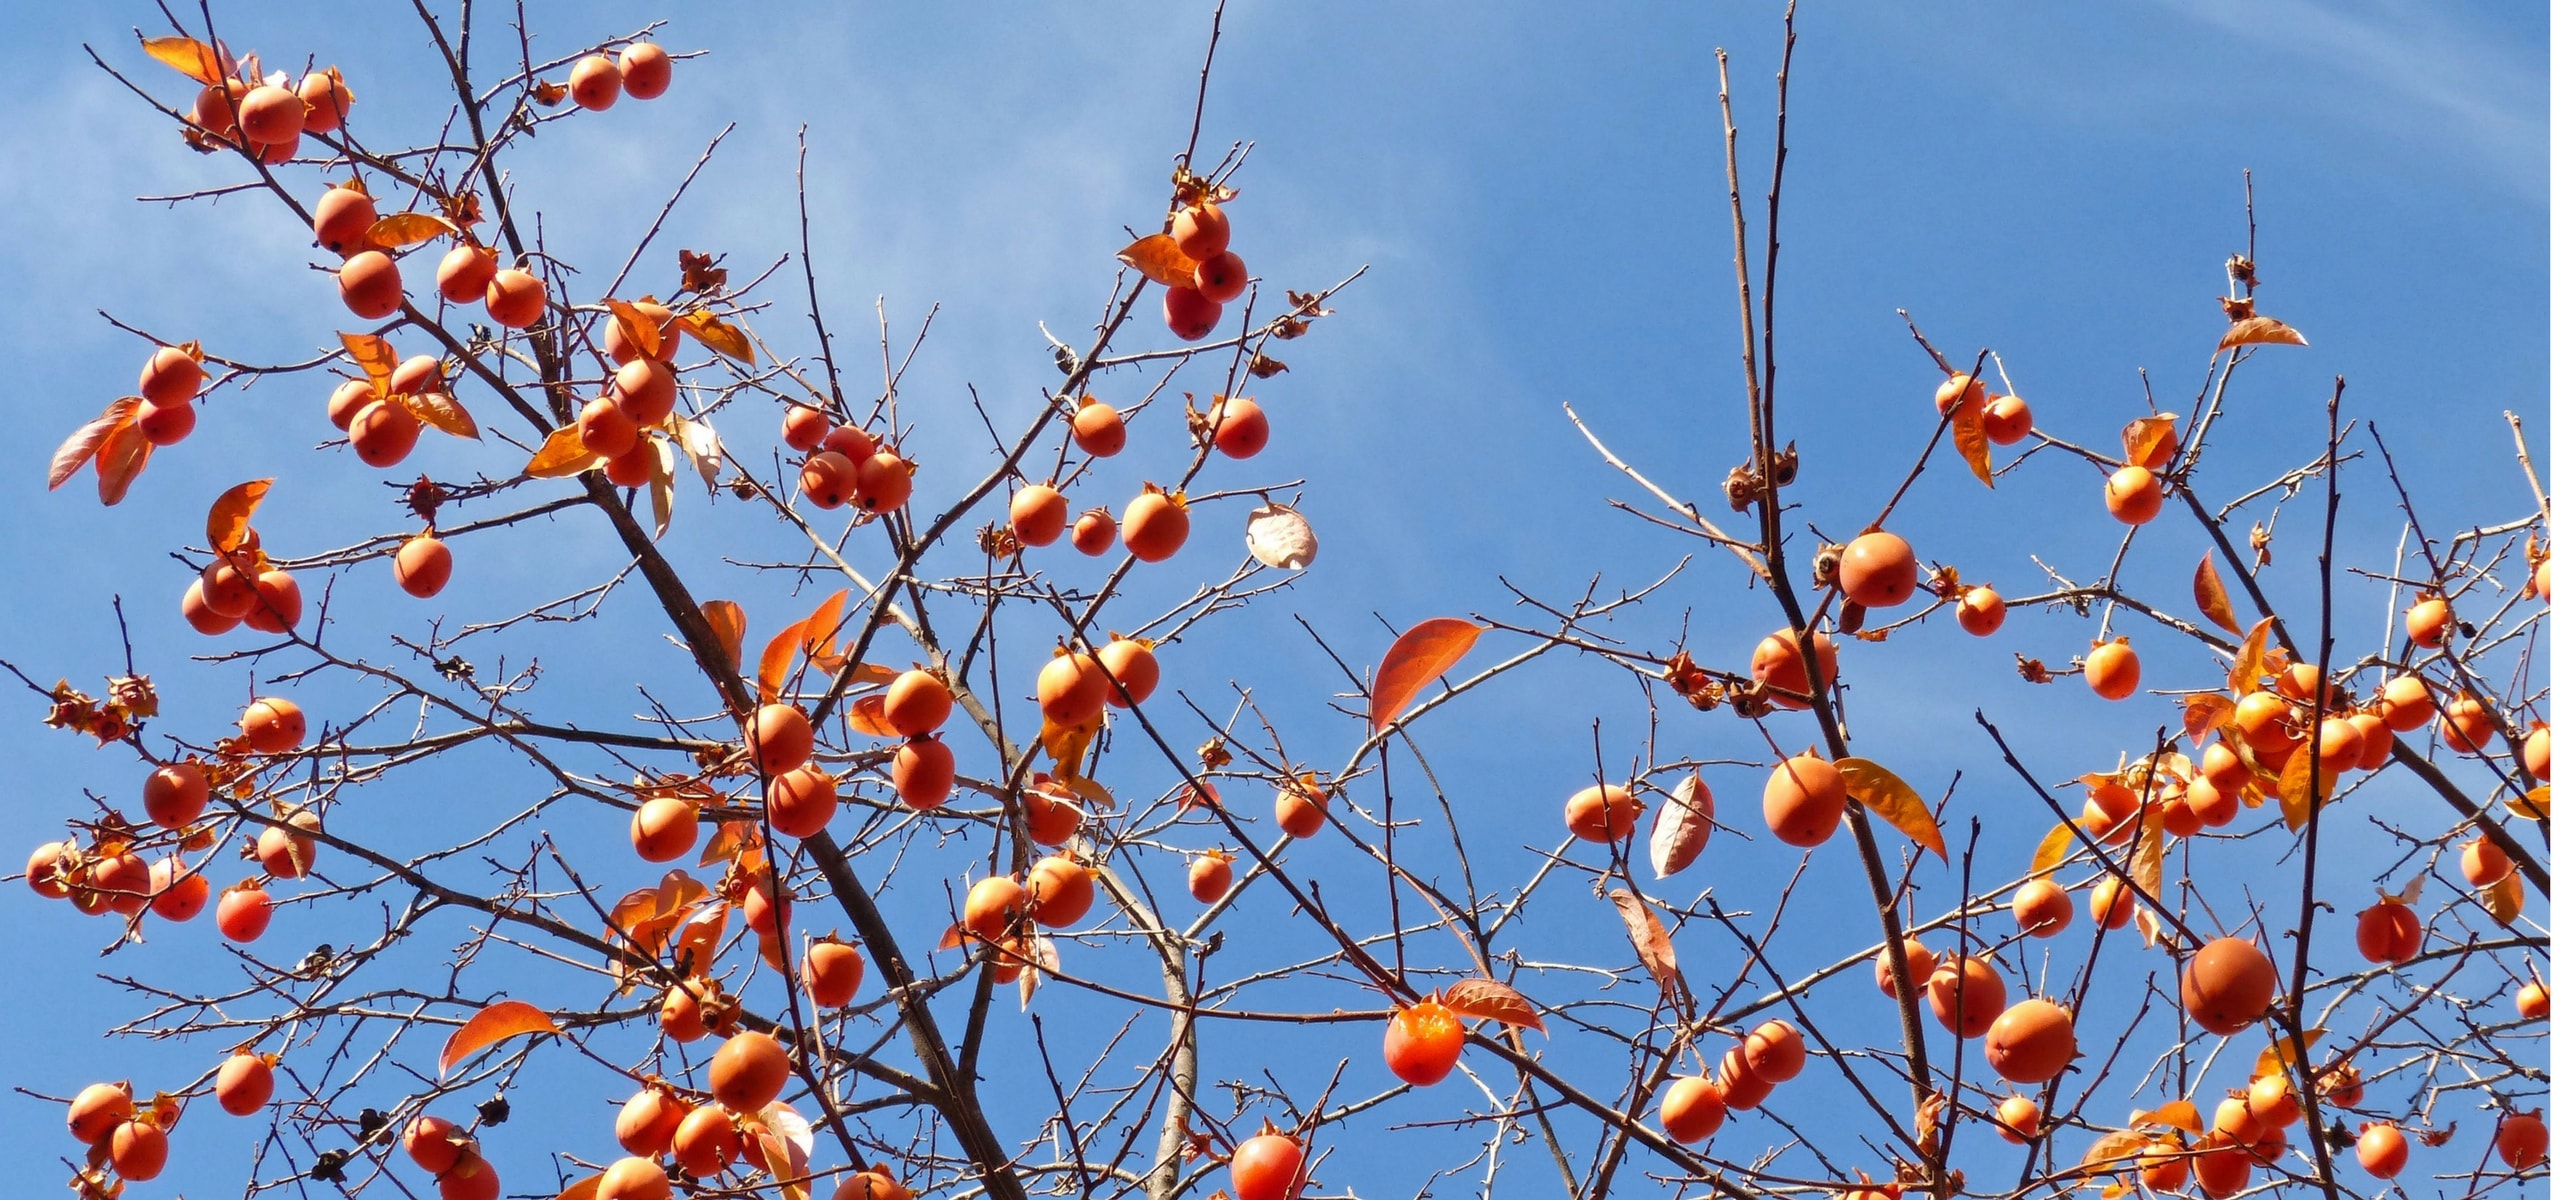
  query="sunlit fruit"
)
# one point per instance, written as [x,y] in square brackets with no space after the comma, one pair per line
[1072,688]
[749,1071]
[1743,1091]
[645,390]
[799,802]
[2388,933]
[1095,531]
[348,400]
[417,374]
[97,1110]
[171,376]
[828,479]
[2375,739]
[1190,315]
[175,896]
[922,774]
[634,1178]
[2484,862]
[2133,495]
[1959,387]
[279,603]
[803,427]
[1981,611]
[2523,1140]
[1267,1167]
[1878,570]
[2272,1101]
[1238,427]
[1803,800]
[1423,1041]
[1602,813]
[634,467]
[1052,815]
[646,70]
[1039,515]
[383,433]
[2007,421]
[2222,1167]
[434,1144]
[1098,429]
[2382,1150]
[706,1141]
[2018,1120]
[44,870]
[2427,620]
[1774,1051]
[1131,664]
[1219,278]
[271,114]
[226,590]
[872,1184]
[1777,663]
[139,1150]
[325,101]
[164,424]
[2031,1042]
[1299,808]
[272,724]
[779,738]
[242,913]
[664,829]
[1209,877]
[463,275]
[882,482]
[2533,1001]
[2111,903]
[759,908]
[369,283]
[994,905]
[1200,231]
[2228,985]
[2466,725]
[832,971]
[287,850]
[1916,958]
[595,83]
[244,1084]
[2112,813]
[422,566]
[515,298]
[174,794]
[2163,1165]
[1154,526]
[2536,759]
[2114,671]
[1061,891]
[122,880]
[2043,909]
[917,703]
[215,109]
[2406,704]
[1966,996]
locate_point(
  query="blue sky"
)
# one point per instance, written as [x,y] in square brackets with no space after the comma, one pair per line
[1540,205]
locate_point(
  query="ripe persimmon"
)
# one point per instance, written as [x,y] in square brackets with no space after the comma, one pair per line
[1219,278]
[882,482]
[1052,815]
[2428,620]
[2465,725]
[645,390]
[2133,495]
[464,273]
[2536,756]
[244,1084]
[2523,1140]
[422,566]
[1774,1051]
[2113,670]
[763,914]
[634,467]
[994,906]
[2406,704]
[804,427]
[279,604]
[922,773]
[749,1071]
[348,400]
[2007,421]
[1878,570]
[97,1110]
[369,283]
[516,298]
[1038,514]
[2272,1101]
[2111,903]
[1094,532]
[799,802]
[646,70]
[1743,1091]
[243,912]
[1959,387]
[1981,611]
[177,892]
[2112,813]
[1270,1166]
[1803,800]
[122,880]
[1966,996]
[416,374]
[1299,808]
[2533,1001]
[2228,985]
[832,971]
[1423,1041]
[873,1183]
[1098,429]
[646,1123]
[828,479]
[1200,231]
[1238,427]
[851,441]
[171,376]
[227,591]
[325,100]
[664,829]
[778,738]
[216,108]
[287,851]
[1211,874]
[917,703]
[272,724]
[200,615]
[383,433]
[1190,315]
[1072,688]
[1917,958]
[2484,862]
[595,83]
[271,114]
[634,1178]
[472,1178]
[680,1012]
[139,1151]
[2019,1120]
[1061,891]
[435,1144]
[706,1141]
[2382,1150]
[1778,663]
[622,349]
[2031,1042]
[165,424]
[45,870]
[174,794]
[2042,908]
[2375,738]
[1602,813]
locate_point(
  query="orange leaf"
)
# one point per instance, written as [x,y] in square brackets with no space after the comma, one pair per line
[2254,331]
[584,1189]
[1652,943]
[228,521]
[2211,600]
[819,632]
[1160,260]
[491,1025]
[2504,899]
[2176,1114]
[2532,806]
[869,716]
[1971,441]
[636,327]
[771,952]
[1889,797]
[720,335]
[84,442]
[2050,852]
[191,58]
[562,455]
[776,661]
[1680,830]
[1492,1001]
[2278,1056]
[1066,744]
[729,841]
[444,412]
[2114,1152]
[1419,655]
[2206,712]
[375,356]
[729,624]
[120,458]
[2295,787]
[2146,437]
[2251,661]
[410,229]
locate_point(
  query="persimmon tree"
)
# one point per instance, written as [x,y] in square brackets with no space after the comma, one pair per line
[946,872]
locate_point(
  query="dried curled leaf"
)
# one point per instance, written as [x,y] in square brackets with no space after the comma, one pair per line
[2211,599]
[701,446]
[869,716]
[227,522]
[2260,331]
[491,1025]
[1652,943]
[189,57]
[1066,744]
[1885,794]
[2505,898]
[1681,829]
[729,624]
[1419,655]
[662,483]
[1971,442]
[1160,260]
[1278,537]
[1492,1001]
[2050,852]
[562,455]
[720,335]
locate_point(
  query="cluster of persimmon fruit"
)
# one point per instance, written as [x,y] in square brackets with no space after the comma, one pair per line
[1200,231]
[705,1133]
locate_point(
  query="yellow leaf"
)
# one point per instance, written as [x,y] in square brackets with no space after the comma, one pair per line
[1096,797]
[2050,852]
[2251,661]
[83,443]
[189,57]
[1889,797]
[1066,744]
[2294,787]
[228,521]
[636,328]
[1419,655]
[491,1025]
[2534,805]
[2113,1152]
[869,716]
[1157,257]
[720,335]
[2176,1114]
[728,623]
[1492,1001]
[410,229]
[2278,1057]
[2211,600]
[2253,331]
[443,412]
[1971,442]
[2505,898]
[374,356]
[2147,855]
[562,455]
